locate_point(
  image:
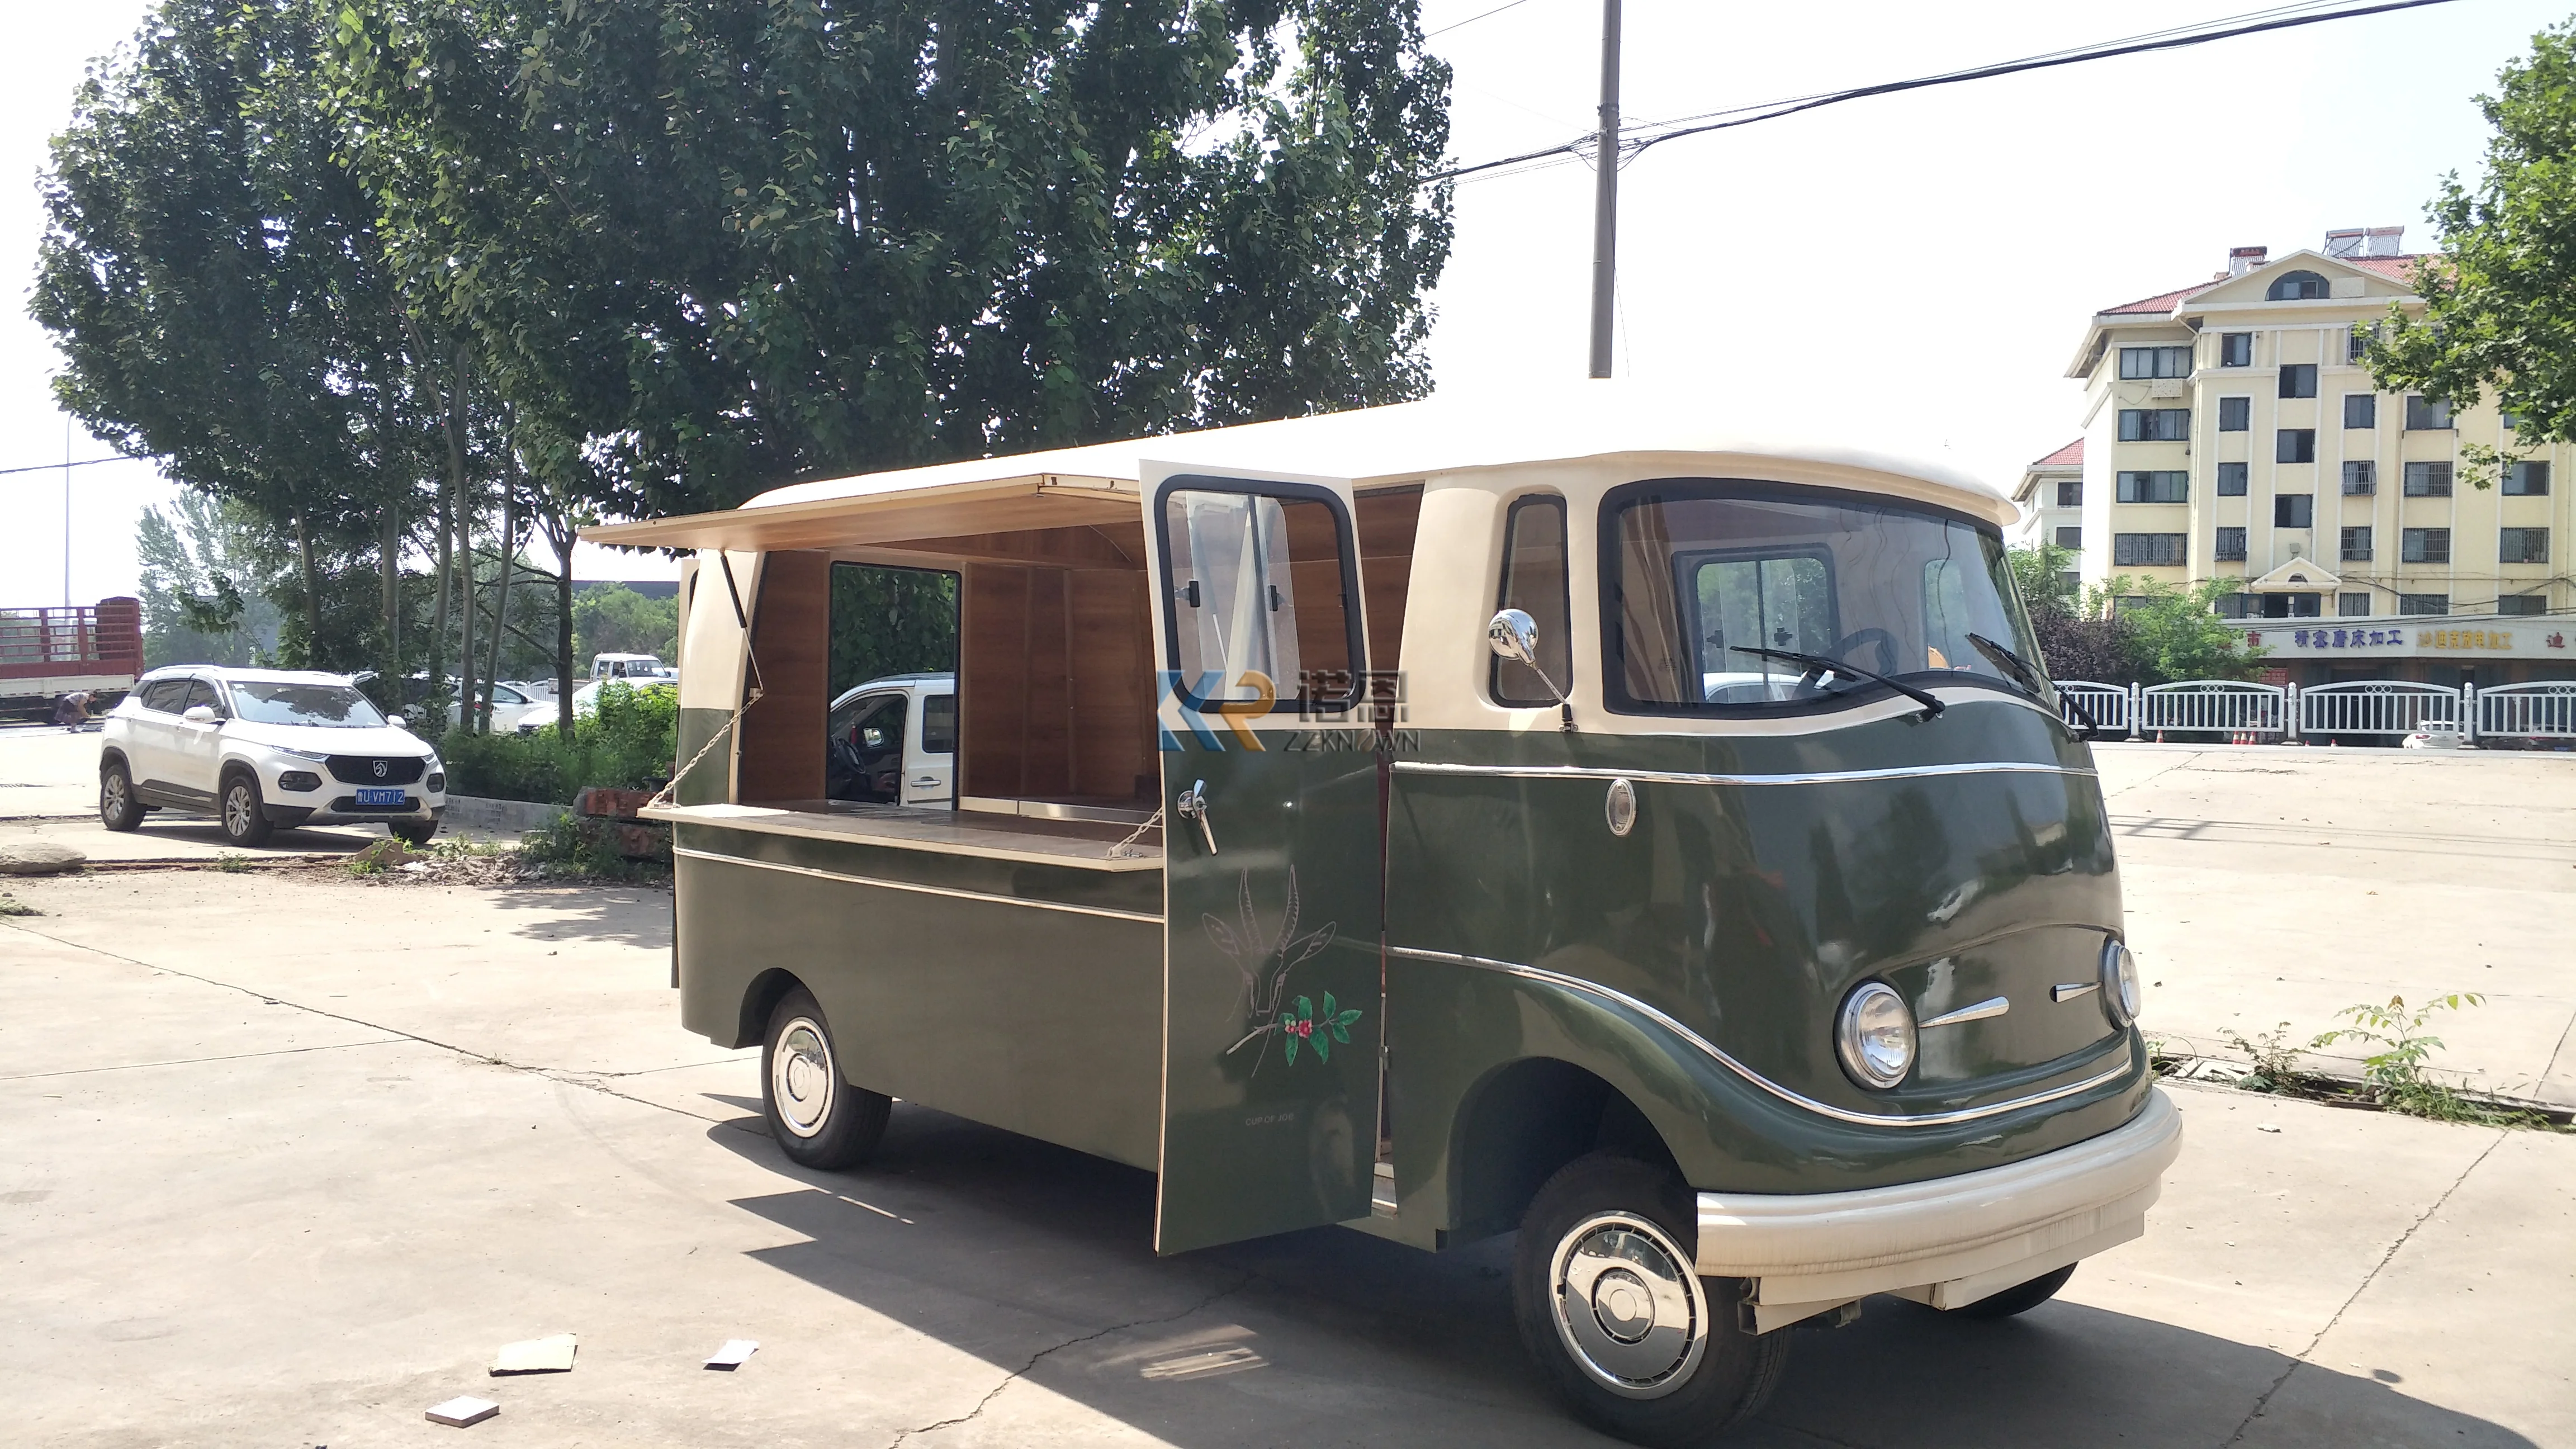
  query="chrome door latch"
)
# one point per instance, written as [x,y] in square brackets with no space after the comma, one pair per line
[1193,806]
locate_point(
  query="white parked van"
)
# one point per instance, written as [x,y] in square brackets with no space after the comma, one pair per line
[894,741]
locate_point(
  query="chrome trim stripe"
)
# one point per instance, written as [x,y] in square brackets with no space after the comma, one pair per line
[1685,777]
[1795,1099]
[927,890]
[1991,1006]
[2069,990]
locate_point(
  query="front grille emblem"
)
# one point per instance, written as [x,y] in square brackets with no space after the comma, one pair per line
[380,769]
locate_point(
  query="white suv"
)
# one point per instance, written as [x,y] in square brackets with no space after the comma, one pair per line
[261,750]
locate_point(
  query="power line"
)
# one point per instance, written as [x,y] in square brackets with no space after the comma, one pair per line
[1472,19]
[2254,22]
[82,463]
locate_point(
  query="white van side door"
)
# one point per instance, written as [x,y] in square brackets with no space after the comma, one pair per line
[930,748]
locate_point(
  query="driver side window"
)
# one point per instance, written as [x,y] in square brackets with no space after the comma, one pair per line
[865,759]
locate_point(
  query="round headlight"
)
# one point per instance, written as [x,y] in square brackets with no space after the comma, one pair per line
[1875,1035]
[2120,995]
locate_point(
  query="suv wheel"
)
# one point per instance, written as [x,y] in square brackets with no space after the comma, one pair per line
[245,821]
[117,807]
[1608,1303]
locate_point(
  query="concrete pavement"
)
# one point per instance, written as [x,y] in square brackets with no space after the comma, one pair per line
[283,1160]
[2268,884]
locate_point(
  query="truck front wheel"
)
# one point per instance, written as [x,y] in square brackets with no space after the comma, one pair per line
[1608,1304]
[819,1119]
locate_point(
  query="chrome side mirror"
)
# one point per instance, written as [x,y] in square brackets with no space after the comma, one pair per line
[1512,634]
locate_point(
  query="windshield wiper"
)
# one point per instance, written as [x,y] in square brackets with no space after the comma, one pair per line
[2019,668]
[1827,665]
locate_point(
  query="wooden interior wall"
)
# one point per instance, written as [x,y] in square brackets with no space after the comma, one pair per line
[1056,683]
[1385,523]
[782,736]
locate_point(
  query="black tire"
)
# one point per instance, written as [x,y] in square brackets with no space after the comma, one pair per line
[414,835]
[118,809]
[241,813]
[819,1119]
[1692,1380]
[2019,1299]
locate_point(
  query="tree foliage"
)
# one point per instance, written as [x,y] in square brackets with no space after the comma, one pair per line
[203,584]
[891,621]
[2127,630]
[2500,299]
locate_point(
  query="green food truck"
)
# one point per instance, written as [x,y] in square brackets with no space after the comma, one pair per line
[1442,820]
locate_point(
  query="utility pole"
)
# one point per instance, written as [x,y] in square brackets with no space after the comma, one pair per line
[1605,196]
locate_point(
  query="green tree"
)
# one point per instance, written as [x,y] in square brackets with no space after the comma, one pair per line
[2500,299]
[210,275]
[723,245]
[614,619]
[203,583]
[891,621]
[2173,630]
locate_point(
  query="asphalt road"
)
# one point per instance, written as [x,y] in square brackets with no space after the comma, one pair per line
[283,1160]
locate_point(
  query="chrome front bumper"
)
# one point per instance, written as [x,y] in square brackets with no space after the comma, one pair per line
[1946,1242]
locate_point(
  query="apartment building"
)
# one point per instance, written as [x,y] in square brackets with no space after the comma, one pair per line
[2231,432]
[2051,496]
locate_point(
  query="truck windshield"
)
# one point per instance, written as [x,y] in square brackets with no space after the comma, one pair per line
[328,705]
[1698,573]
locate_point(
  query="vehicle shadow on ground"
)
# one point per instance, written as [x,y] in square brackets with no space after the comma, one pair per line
[1009,1249]
[636,915]
[338,840]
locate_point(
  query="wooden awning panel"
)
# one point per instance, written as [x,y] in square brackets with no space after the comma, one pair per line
[893,516]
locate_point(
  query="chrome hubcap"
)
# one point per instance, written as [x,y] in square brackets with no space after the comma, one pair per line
[1627,1305]
[237,810]
[114,788]
[801,1079]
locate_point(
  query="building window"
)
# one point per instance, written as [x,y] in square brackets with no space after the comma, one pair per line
[2299,379]
[2168,485]
[2512,604]
[2072,582]
[2144,550]
[2231,480]
[2361,410]
[2236,349]
[2428,480]
[2235,414]
[2352,606]
[2356,545]
[2295,445]
[2230,606]
[2231,545]
[2297,287]
[2357,342]
[2426,415]
[2155,425]
[2293,510]
[2424,545]
[2071,537]
[2360,478]
[2423,603]
[2512,422]
[2070,493]
[2527,479]
[2293,606]
[2523,545]
[2155,362]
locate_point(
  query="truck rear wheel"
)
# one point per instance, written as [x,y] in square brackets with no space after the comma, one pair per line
[819,1119]
[2021,1298]
[1608,1303]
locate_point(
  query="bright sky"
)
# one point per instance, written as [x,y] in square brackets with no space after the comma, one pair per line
[1917,266]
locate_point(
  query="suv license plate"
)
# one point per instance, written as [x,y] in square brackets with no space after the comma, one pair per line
[372,799]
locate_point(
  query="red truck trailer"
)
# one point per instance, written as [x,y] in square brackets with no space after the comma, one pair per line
[46,653]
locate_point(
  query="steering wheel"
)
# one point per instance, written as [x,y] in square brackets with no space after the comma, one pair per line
[1885,641]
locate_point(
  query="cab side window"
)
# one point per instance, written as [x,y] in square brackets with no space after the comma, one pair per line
[866,749]
[939,724]
[1535,582]
[166,696]
[200,692]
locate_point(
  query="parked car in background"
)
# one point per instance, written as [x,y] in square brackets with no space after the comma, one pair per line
[630,666]
[514,710]
[263,750]
[894,741]
[585,700]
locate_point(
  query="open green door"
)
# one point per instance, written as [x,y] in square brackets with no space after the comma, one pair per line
[1273,984]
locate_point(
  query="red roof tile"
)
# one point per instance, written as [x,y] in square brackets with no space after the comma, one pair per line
[2159,304]
[2068,456]
[2396,269]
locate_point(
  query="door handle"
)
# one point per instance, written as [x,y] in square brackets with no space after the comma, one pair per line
[925,782]
[1193,806]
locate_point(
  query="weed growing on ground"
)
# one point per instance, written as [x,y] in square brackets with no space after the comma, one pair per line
[12,906]
[232,864]
[578,847]
[2275,1061]
[2395,1072]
